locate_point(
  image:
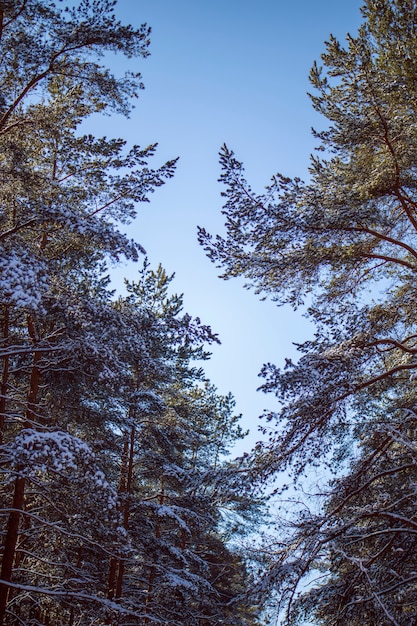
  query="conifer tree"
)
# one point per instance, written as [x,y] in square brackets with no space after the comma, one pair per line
[113,480]
[177,479]
[62,195]
[346,240]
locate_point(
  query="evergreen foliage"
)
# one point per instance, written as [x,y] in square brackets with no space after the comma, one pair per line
[114,476]
[346,241]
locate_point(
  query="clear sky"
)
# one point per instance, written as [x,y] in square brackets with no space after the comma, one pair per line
[234,72]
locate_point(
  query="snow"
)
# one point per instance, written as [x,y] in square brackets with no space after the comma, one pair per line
[22,278]
[58,452]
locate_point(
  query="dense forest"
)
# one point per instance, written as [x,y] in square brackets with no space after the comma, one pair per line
[121,503]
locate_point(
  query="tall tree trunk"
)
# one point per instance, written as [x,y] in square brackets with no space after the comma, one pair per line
[111,580]
[31,417]
[10,543]
[116,567]
[1,18]
[126,508]
[72,611]
[5,376]
[114,562]
[152,573]
[24,532]
[149,591]
[35,375]
[13,522]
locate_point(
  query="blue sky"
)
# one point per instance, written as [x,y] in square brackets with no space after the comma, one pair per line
[234,72]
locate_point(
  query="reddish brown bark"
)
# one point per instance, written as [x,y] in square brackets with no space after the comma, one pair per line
[13,522]
[111,581]
[126,508]
[10,543]
[35,375]
[5,376]
[1,18]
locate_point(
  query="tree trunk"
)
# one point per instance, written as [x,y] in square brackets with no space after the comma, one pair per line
[31,417]
[72,612]
[151,580]
[117,567]
[1,18]
[19,487]
[152,572]
[10,543]
[5,377]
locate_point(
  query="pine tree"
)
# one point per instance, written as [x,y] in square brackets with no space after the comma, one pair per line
[114,482]
[345,242]
[62,195]
[174,479]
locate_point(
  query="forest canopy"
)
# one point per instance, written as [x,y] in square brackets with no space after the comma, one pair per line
[120,503]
